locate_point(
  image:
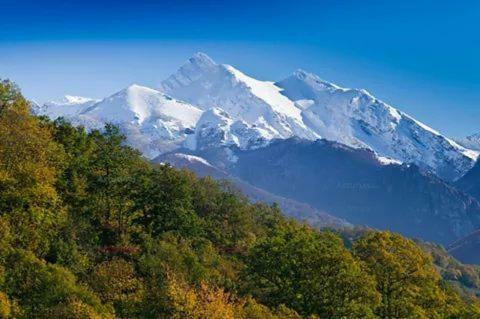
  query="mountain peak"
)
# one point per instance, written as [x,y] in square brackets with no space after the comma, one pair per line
[198,65]
[301,105]
[308,77]
[72,99]
[302,74]
[201,59]
[135,88]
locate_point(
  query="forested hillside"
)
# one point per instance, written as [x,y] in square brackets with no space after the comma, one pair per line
[89,229]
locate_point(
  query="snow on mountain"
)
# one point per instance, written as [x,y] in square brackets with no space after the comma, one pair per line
[138,104]
[356,118]
[69,106]
[152,121]
[225,107]
[260,104]
[217,128]
[471,142]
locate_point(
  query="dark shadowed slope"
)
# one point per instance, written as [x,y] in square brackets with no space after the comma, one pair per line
[467,249]
[470,182]
[292,208]
[354,185]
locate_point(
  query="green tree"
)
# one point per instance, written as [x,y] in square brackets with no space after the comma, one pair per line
[310,272]
[251,309]
[5,306]
[231,221]
[78,240]
[11,97]
[116,283]
[39,287]
[163,195]
[76,309]
[406,278]
[112,166]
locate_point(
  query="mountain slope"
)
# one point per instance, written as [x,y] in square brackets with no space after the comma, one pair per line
[216,128]
[470,182]
[69,106]
[352,184]
[292,208]
[304,106]
[356,118]
[152,121]
[471,142]
[227,107]
[141,104]
[466,249]
[202,82]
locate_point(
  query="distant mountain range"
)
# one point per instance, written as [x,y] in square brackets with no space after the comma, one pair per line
[316,148]
[206,104]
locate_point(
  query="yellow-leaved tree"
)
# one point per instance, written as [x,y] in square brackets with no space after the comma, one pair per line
[29,164]
[405,277]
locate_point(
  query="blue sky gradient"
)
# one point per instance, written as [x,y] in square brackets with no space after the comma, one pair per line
[420,56]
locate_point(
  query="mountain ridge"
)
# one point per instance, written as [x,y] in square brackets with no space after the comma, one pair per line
[249,113]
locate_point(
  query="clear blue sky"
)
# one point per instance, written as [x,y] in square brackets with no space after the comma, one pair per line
[420,56]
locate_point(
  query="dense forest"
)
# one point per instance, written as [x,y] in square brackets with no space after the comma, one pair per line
[90,229]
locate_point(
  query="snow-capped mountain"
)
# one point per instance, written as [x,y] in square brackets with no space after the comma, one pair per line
[471,142]
[69,106]
[217,128]
[355,118]
[259,104]
[224,107]
[151,120]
